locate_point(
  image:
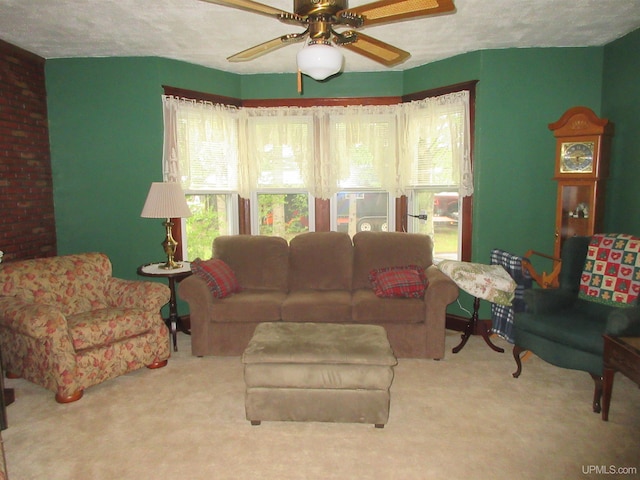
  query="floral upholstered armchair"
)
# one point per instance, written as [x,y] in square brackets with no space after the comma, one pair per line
[66,324]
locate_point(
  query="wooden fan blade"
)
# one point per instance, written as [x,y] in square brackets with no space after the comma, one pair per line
[394,10]
[378,51]
[250,6]
[266,47]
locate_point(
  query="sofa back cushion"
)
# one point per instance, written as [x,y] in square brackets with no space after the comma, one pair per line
[320,261]
[73,283]
[258,261]
[373,250]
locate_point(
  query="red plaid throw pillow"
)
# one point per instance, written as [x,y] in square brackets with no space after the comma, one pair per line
[407,281]
[219,276]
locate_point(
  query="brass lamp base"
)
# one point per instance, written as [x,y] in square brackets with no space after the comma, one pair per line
[169,245]
[170,265]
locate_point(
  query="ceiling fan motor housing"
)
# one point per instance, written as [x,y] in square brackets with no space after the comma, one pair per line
[318,7]
[319,17]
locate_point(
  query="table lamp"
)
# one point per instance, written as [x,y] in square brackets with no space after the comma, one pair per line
[166,200]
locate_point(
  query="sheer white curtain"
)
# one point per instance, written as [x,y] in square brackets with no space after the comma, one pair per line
[170,168]
[363,147]
[200,145]
[435,143]
[331,148]
[278,149]
[321,149]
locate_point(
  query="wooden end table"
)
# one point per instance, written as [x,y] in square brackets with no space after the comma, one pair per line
[174,275]
[488,282]
[621,354]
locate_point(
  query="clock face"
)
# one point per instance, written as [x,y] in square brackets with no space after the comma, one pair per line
[577,157]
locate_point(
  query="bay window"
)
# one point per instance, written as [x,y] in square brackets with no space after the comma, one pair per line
[438,169]
[362,211]
[201,153]
[279,150]
[363,151]
[265,170]
[212,215]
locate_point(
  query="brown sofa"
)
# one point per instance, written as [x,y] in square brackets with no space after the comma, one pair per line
[319,277]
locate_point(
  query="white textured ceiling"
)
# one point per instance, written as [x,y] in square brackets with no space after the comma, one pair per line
[205,34]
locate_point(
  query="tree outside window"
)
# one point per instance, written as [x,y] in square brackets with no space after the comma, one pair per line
[283,214]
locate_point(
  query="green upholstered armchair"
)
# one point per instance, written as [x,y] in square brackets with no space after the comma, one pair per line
[597,295]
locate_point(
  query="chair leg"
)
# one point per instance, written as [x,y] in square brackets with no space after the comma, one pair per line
[161,364]
[597,393]
[516,355]
[74,397]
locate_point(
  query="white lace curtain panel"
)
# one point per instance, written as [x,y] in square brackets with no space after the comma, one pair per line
[223,148]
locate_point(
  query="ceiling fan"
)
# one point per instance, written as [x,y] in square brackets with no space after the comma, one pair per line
[319,58]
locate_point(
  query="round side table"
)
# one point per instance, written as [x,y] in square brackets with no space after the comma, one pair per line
[489,282]
[174,275]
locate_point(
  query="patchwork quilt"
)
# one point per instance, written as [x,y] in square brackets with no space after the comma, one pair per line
[611,273]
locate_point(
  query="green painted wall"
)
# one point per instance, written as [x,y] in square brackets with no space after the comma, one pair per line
[105,121]
[106,136]
[450,71]
[520,92]
[197,78]
[380,84]
[621,104]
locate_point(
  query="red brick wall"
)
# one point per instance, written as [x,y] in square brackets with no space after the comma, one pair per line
[27,223]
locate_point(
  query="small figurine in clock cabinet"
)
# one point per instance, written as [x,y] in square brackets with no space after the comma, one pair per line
[583,145]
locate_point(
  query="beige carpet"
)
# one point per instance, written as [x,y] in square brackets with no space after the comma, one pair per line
[461,418]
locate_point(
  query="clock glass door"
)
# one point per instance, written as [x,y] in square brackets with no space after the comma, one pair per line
[576,216]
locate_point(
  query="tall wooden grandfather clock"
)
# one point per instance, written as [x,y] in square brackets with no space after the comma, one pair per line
[583,145]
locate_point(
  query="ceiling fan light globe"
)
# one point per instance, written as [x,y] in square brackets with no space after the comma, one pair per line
[319,60]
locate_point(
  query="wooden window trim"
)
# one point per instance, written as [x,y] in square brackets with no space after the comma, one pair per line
[323,211]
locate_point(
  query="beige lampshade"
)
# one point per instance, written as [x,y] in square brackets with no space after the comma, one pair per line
[165,200]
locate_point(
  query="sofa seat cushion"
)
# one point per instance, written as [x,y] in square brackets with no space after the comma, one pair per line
[104,327]
[368,308]
[249,306]
[577,330]
[317,306]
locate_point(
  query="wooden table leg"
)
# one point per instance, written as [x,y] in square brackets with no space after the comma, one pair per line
[173,314]
[607,388]
[471,328]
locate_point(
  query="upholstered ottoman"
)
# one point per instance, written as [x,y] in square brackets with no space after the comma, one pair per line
[319,372]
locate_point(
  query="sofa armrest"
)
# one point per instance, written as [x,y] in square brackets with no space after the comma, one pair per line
[441,289]
[624,322]
[196,293]
[35,320]
[146,295]
[440,292]
[547,300]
